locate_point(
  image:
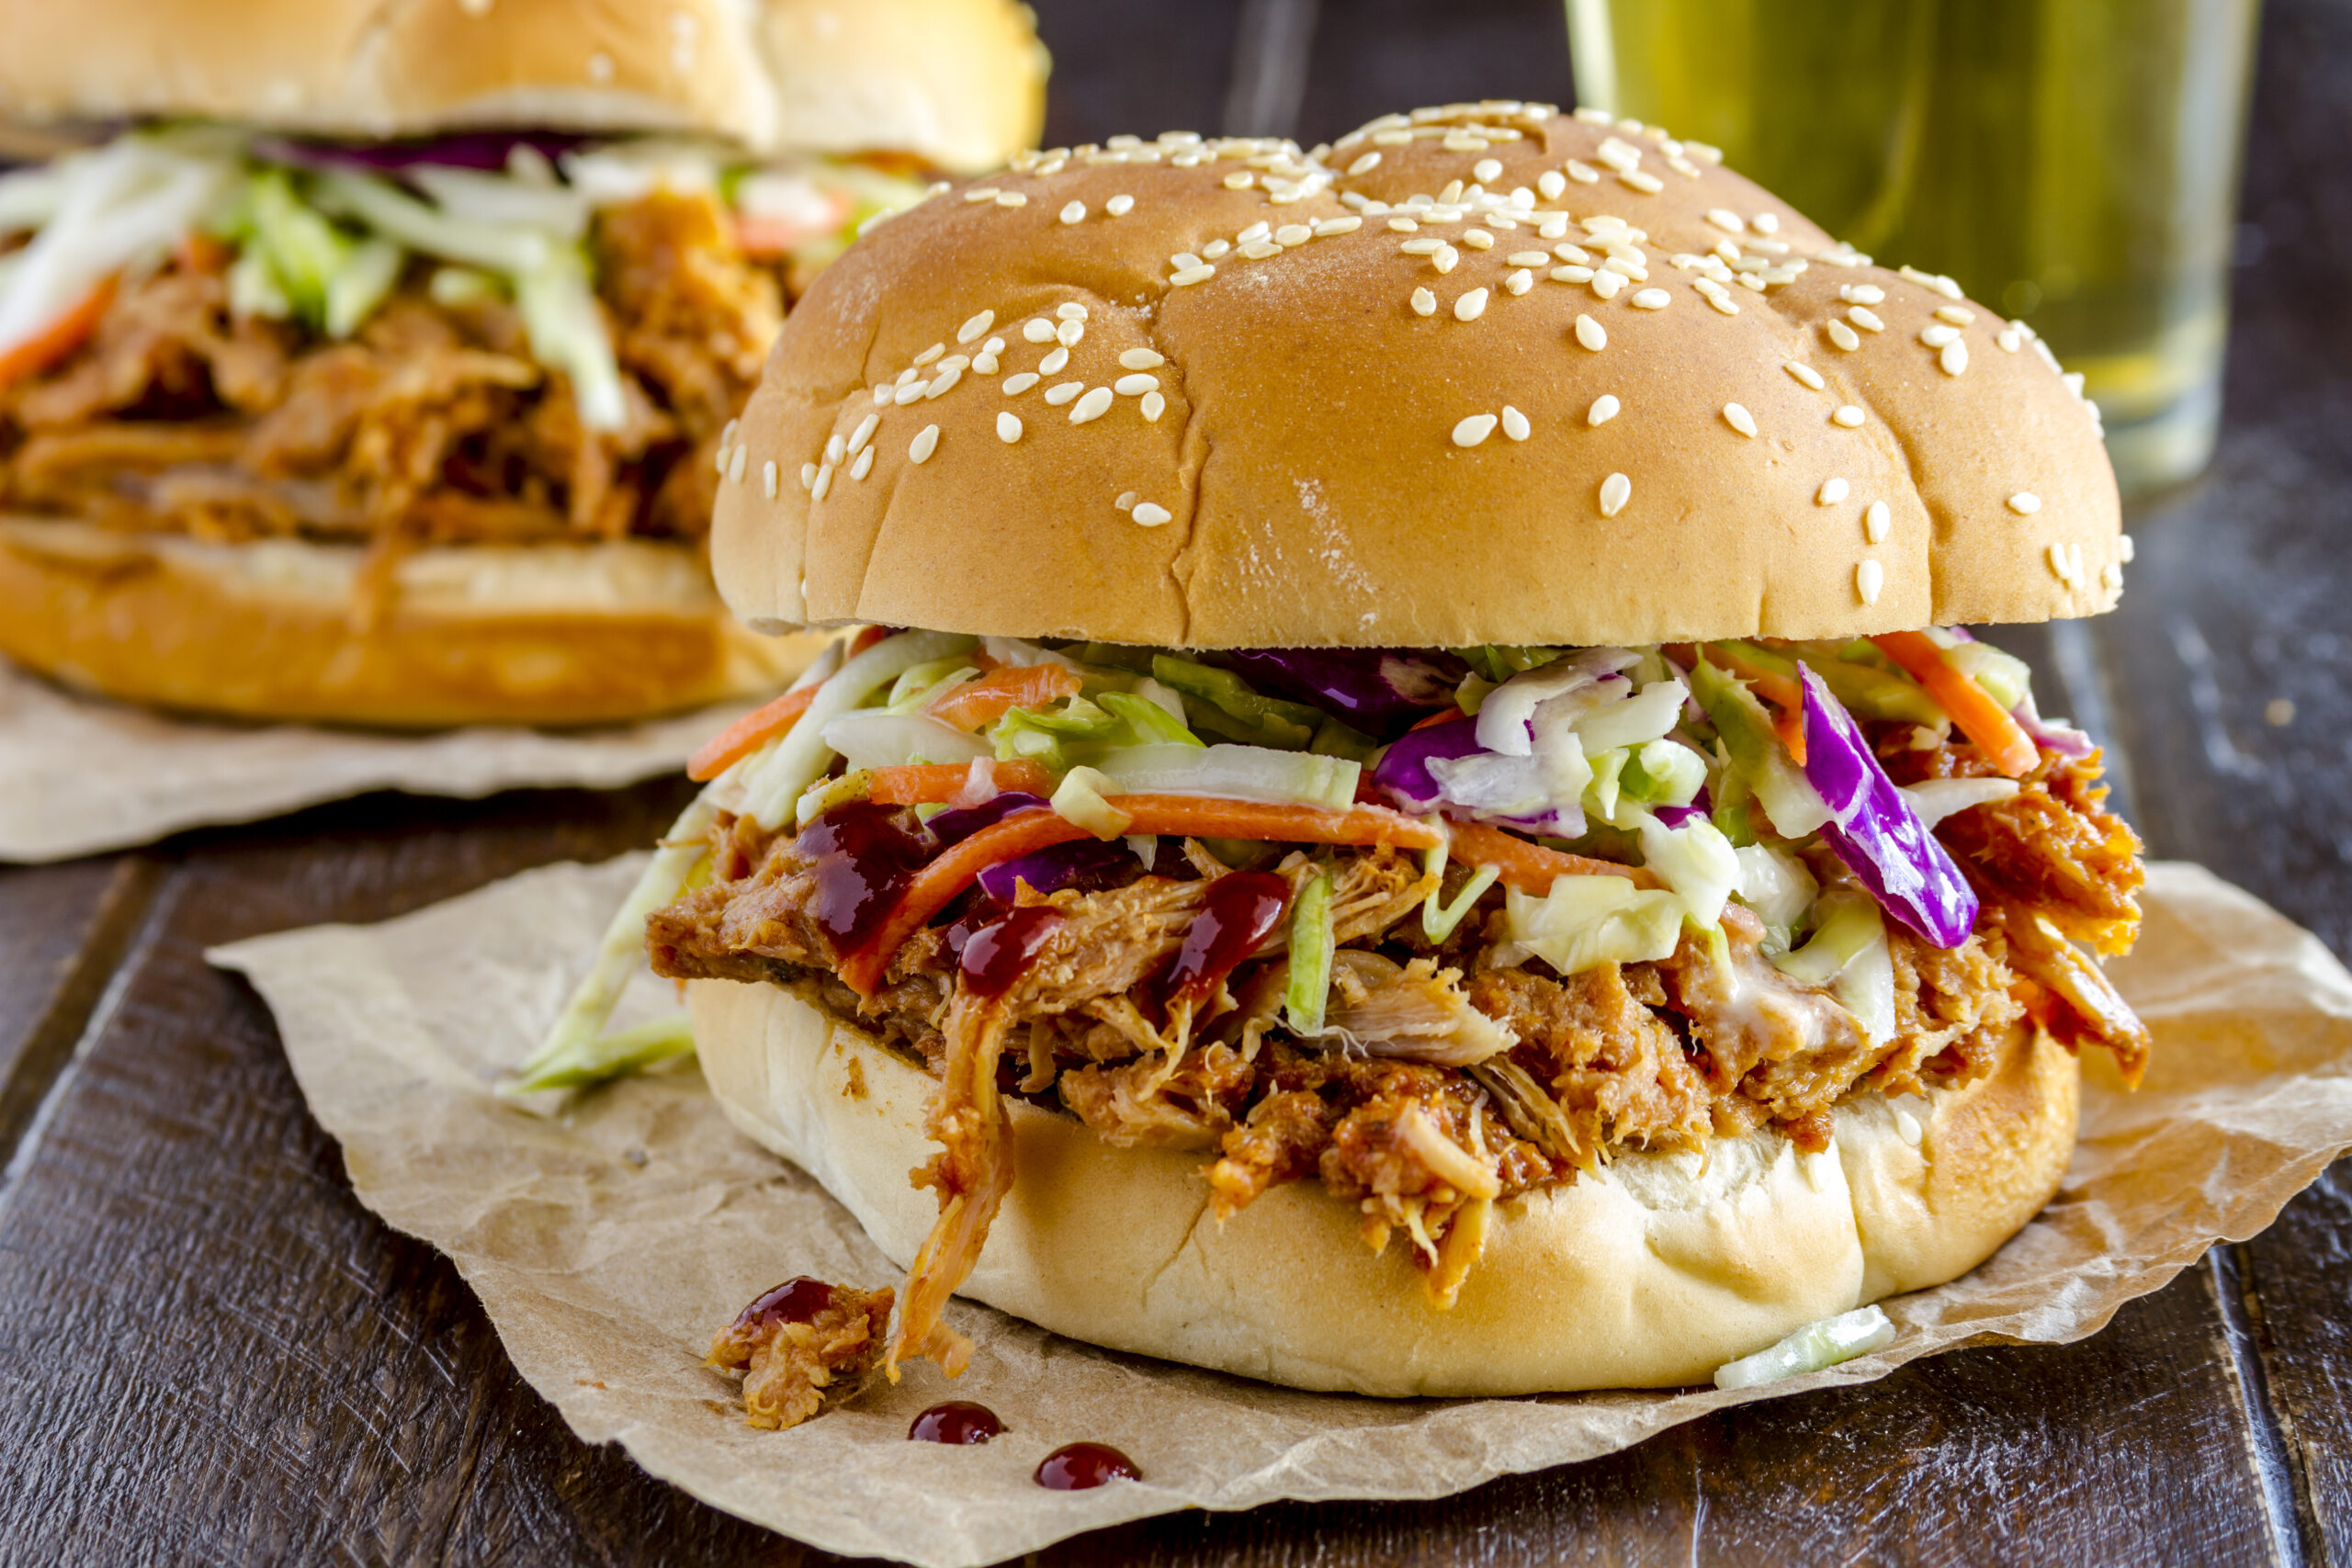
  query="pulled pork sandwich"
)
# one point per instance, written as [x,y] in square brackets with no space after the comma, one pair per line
[1435,832]
[378,372]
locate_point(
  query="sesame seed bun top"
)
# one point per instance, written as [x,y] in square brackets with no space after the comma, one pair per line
[958,82]
[1489,373]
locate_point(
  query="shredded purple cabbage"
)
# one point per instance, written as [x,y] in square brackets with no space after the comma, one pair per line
[1403,771]
[959,823]
[1680,817]
[1373,688]
[486,149]
[1082,862]
[2064,740]
[1875,829]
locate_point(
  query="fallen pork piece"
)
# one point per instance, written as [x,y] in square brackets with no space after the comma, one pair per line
[800,1343]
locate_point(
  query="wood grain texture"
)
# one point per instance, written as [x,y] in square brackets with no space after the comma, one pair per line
[209,1352]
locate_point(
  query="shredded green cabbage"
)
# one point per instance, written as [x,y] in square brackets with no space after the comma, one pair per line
[776,781]
[613,1055]
[1079,798]
[1438,918]
[1586,921]
[1311,946]
[1758,758]
[1236,772]
[1696,860]
[1815,1347]
[1224,703]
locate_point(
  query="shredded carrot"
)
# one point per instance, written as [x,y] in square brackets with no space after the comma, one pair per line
[748,733]
[983,702]
[866,637]
[1443,715]
[71,328]
[199,252]
[1785,693]
[1530,867]
[927,784]
[2002,740]
[956,867]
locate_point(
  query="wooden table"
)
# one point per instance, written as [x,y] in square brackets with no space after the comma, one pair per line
[209,1352]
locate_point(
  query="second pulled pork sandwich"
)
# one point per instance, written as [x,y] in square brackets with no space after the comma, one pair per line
[369,364]
[1435,831]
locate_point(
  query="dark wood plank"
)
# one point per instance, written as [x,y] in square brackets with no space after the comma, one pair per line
[1137,70]
[1376,57]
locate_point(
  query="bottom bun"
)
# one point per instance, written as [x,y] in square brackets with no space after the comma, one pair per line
[1651,1274]
[475,634]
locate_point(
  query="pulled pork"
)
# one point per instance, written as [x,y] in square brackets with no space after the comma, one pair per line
[1443,1080]
[432,424]
[800,1344]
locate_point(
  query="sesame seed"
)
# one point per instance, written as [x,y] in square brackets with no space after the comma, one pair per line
[1642,180]
[1572,275]
[1474,429]
[1765,223]
[1477,239]
[945,379]
[1059,395]
[1860,293]
[1215,250]
[1445,258]
[1844,337]
[1364,164]
[1192,275]
[1607,283]
[2025,504]
[1869,579]
[824,483]
[928,355]
[1120,206]
[985,192]
[1653,300]
[1723,304]
[925,442]
[1153,405]
[910,393]
[1092,406]
[857,438]
[1582,172]
[1291,234]
[863,466]
[808,475]
[975,326]
[834,447]
[2056,556]
[1615,491]
[2125,549]
[1331,226]
[1069,332]
[1487,170]
[1939,336]
[1075,213]
[1241,181]
[1553,225]
[1016,385]
[1619,155]
[1528,258]
[1957,315]
[1848,416]
[1011,198]
[1551,183]
[1257,231]
[1954,358]
[1135,386]
[1589,333]
[2008,339]
[1804,373]
[1471,306]
[1832,492]
[1259,250]
[1038,331]
[1519,282]
[1875,519]
[1404,226]
[1604,409]
[1730,222]
[882,394]
[1069,310]
[2111,576]
[1152,515]
[984,365]
[905,376]
[1007,428]
[1739,419]
[767,478]
[1515,424]
[1424,302]
[1865,318]
[1053,363]
[1127,501]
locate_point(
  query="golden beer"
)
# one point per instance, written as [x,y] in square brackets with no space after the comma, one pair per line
[2073,162]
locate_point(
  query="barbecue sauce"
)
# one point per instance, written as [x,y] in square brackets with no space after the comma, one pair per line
[997,955]
[798,1300]
[865,857]
[958,1421]
[1078,1467]
[1241,910]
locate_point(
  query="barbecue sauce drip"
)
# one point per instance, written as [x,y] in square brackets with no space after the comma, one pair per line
[798,1300]
[1078,1467]
[997,955]
[1242,909]
[865,858]
[958,1421]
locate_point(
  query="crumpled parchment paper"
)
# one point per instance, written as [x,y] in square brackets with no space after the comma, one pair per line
[609,1243]
[79,775]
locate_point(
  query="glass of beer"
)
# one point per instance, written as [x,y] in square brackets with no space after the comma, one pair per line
[2073,162]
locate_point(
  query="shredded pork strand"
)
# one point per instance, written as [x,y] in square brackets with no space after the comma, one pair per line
[1443,1081]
